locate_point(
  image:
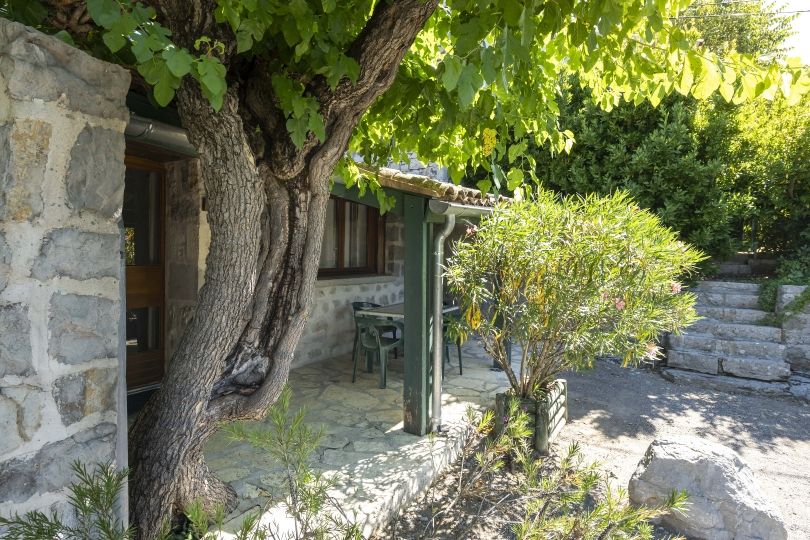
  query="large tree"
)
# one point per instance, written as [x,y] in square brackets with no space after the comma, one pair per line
[275,94]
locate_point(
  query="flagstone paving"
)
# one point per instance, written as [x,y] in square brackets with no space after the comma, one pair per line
[377,467]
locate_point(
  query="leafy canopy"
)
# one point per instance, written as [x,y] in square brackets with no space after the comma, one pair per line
[479,70]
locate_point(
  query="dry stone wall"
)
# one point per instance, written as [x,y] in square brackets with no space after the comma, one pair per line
[62,118]
[795,329]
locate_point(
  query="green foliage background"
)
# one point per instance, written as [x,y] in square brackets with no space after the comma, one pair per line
[726,176]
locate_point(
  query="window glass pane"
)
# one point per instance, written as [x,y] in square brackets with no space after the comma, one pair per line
[141,217]
[329,247]
[143,330]
[355,236]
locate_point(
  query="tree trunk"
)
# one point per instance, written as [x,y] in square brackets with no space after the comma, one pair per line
[266,208]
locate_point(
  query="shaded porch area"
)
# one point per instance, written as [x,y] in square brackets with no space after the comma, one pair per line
[377,466]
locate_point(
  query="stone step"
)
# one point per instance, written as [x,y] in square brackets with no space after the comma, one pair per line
[735,331]
[726,384]
[728,286]
[733,269]
[725,347]
[742,300]
[739,366]
[732,315]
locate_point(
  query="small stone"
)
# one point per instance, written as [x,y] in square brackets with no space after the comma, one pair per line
[82,328]
[724,501]
[77,254]
[9,412]
[15,341]
[30,403]
[49,469]
[23,158]
[95,178]
[81,394]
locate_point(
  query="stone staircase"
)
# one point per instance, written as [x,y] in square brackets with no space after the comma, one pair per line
[729,341]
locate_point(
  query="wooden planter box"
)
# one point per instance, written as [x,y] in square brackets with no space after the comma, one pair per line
[547,416]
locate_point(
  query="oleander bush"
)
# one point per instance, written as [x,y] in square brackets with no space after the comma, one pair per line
[567,279]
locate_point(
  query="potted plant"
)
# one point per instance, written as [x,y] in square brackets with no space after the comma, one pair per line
[565,280]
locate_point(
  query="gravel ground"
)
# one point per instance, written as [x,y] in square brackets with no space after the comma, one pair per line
[615,413]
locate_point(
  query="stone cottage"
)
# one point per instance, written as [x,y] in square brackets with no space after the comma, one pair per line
[103,240]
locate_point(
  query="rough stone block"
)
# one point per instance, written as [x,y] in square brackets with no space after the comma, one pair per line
[77,254]
[11,438]
[20,415]
[756,368]
[15,340]
[82,328]
[796,329]
[786,294]
[37,66]
[799,357]
[49,469]
[23,158]
[705,363]
[95,178]
[5,261]
[725,502]
[81,394]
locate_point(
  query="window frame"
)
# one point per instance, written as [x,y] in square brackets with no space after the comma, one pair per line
[375,242]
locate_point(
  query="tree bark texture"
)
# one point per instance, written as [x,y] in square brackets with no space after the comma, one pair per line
[266,209]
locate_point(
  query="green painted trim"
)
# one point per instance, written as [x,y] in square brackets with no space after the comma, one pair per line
[368,198]
[416,390]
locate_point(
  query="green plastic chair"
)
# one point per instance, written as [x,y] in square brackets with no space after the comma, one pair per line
[372,343]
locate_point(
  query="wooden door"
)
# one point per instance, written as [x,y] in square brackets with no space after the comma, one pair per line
[143,215]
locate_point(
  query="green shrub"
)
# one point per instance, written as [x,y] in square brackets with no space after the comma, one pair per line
[568,279]
[793,270]
[93,498]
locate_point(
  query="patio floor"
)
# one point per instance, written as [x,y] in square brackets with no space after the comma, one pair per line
[376,466]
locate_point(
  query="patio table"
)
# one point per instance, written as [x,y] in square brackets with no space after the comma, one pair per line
[397,311]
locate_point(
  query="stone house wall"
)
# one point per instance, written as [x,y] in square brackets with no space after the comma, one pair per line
[62,118]
[795,329]
[330,329]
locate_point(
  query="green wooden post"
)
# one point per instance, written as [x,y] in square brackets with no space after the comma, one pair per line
[417,284]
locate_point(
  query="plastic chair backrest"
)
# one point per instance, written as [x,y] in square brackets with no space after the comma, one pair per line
[357,306]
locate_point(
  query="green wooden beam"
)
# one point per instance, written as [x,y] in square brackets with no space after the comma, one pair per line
[368,198]
[417,284]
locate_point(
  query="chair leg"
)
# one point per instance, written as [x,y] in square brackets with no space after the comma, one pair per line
[396,352]
[369,361]
[383,360]
[460,367]
[356,356]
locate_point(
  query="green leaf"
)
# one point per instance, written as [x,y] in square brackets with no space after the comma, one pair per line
[298,129]
[179,61]
[514,179]
[469,83]
[163,92]
[452,71]
[212,75]
[104,12]
[316,125]
[709,80]
[484,186]
[517,149]
[489,62]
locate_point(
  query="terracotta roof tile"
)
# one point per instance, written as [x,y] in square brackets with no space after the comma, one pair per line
[436,189]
